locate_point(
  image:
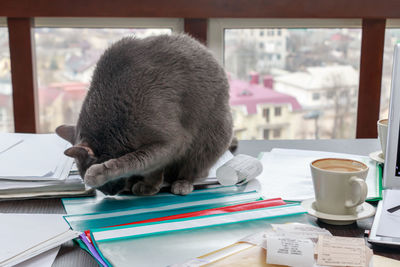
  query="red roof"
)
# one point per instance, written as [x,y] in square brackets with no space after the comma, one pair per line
[241,93]
[69,91]
[250,95]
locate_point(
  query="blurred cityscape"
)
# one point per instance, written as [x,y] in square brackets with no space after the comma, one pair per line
[284,83]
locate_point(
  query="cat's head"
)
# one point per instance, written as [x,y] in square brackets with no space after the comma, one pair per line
[80,151]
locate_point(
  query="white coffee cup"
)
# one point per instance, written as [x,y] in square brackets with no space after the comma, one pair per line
[382,133]
[339,185]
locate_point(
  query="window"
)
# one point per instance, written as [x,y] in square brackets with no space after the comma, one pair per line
[276,133]
[330,94]
[266,114]
[6,107]
[266,134]
[315,96]
[261,33]
[66,58]
[278,111]
[261,45]
[314,56]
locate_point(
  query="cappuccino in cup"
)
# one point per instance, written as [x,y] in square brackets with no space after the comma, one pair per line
[339,185]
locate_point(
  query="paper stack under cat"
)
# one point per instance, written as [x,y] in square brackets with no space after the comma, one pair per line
[33,165]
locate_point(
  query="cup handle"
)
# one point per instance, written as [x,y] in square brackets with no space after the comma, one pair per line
[363,192]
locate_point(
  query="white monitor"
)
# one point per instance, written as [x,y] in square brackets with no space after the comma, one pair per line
[391,174]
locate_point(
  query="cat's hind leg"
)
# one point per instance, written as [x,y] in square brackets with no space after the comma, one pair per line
[150,185]
[189,171]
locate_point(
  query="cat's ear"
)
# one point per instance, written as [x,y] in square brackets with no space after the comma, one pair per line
[79,151]
[66,132]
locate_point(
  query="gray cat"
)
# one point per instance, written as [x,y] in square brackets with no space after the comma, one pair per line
[157,108]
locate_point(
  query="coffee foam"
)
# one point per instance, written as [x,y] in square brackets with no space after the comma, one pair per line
[339,165]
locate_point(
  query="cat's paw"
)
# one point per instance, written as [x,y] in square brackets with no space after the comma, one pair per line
[181,187]
[95,176]
[111,164]
[143,189]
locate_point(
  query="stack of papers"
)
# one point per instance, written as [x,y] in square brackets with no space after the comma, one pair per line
[34,165]
[290,244]
[24,236]
[287,174]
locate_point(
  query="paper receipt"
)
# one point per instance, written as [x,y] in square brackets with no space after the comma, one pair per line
[341,251]
[290,251]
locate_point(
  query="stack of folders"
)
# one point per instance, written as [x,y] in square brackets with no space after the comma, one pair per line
[167,229]
[34,165]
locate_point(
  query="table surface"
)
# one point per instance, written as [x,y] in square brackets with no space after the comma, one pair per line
[71,255]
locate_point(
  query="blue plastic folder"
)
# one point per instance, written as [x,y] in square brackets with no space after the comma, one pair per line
[175,241]
[158,207]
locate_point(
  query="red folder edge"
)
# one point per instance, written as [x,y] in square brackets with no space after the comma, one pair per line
[227,209]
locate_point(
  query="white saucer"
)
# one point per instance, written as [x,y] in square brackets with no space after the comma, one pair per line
[363,211]
[377,156]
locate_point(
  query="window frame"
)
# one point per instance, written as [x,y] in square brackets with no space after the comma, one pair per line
[175,24]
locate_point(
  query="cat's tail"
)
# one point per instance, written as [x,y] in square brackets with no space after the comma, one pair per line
[234,145]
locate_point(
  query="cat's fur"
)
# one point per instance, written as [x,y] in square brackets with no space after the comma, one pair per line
[156,108]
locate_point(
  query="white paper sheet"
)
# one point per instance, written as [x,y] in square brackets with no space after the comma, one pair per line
[9,140]
[45,259]
[20,232]
[73,182]
[390,221]
[38,157]
[286,173]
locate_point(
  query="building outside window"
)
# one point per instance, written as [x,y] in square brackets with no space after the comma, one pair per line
[305,63]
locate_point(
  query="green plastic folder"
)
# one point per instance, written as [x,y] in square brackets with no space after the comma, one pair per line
[103,203]
[164,248]
[161,208]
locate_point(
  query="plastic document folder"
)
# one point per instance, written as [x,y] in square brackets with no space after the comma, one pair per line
[176,241]
[286,174]
[85,239]
[104,203]
[160,207]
